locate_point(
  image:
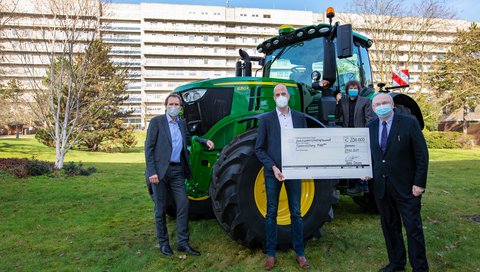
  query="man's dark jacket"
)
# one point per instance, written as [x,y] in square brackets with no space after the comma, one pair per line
[405,161]
[268,147]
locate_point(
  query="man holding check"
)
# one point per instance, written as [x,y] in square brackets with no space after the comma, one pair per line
[268,151]
[400,166]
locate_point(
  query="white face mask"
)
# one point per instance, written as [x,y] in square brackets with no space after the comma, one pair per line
[281,101]
[173,111]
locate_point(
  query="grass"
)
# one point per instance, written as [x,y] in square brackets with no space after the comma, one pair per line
[104,222]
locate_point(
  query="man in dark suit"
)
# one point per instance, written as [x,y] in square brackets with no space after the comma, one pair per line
[166,157]
[356,112]
[268,151]
[400,165]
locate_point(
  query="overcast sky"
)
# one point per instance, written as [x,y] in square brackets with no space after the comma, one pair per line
[465,9]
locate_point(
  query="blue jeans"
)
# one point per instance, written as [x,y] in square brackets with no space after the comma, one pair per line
[294,192]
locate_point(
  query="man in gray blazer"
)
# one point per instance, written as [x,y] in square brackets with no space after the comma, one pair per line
[166,157]
[356,111]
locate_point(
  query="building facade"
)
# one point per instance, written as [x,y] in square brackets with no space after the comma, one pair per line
[166,45]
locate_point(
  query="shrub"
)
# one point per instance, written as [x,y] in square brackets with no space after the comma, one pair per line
[73,169]
[38,168]
[43,137]
[22,168]
[447,140]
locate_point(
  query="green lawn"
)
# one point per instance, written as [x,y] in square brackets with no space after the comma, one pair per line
[104,222]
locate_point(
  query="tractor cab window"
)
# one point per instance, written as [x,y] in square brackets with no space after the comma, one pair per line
[357,67]
[348,69]
[296,62]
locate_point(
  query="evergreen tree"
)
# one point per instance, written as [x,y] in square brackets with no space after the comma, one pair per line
[456,78]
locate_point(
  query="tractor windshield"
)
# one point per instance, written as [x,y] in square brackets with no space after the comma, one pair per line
[298,61]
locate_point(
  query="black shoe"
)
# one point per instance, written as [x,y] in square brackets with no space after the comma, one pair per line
[391,268]
[355,191]
[189,250]
[166,250]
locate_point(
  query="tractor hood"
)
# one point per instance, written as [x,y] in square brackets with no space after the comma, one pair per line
[235,82]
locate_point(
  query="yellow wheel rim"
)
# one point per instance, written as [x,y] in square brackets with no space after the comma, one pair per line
[283,217]
[199,198]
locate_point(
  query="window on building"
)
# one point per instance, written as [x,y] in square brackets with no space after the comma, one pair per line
[267,16]
[205,38]
[205,61]
[216,38]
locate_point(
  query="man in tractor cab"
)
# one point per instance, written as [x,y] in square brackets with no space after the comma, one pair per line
[268,151]
[167,167]
[356,111]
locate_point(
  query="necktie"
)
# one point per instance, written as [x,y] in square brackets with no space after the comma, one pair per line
[383,140]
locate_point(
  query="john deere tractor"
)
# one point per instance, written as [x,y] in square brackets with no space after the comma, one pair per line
[314,62]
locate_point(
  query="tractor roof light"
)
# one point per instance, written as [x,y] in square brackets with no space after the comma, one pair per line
[369,43]
[311,31]
[330,13]
[285,29]
[324,29]
[299,33]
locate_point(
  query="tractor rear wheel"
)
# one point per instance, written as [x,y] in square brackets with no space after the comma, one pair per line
[239,200]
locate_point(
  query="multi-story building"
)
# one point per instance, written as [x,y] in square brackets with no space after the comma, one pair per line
[167,45]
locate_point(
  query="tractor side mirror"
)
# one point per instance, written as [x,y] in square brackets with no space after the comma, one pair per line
[344,41]
[329,62]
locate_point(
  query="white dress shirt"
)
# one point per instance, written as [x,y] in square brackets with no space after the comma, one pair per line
[285,119]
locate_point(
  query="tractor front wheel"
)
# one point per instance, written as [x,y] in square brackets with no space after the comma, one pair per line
[239,199]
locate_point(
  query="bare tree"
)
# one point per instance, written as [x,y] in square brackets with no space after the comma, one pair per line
[402,35]
[62,32]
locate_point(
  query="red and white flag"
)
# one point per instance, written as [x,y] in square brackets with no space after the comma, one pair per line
[400,78]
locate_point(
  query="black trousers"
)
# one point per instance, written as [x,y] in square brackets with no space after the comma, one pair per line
[395,209]
[174,183]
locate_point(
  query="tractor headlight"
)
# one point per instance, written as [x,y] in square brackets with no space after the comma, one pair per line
[193,95]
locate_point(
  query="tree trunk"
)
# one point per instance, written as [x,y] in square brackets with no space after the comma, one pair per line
[17,133]
[465,126]
[464,121]
[60,157]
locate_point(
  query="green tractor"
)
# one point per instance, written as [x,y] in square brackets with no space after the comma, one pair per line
[314,62]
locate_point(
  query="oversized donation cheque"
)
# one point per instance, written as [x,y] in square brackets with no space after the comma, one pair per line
[326,153]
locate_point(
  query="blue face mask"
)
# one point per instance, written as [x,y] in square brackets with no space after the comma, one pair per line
[383,110]
[353,92]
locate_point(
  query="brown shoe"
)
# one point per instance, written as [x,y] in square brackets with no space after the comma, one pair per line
[270,263]
[302,262]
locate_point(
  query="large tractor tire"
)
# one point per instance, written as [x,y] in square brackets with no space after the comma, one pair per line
[200,208]
[239,200]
